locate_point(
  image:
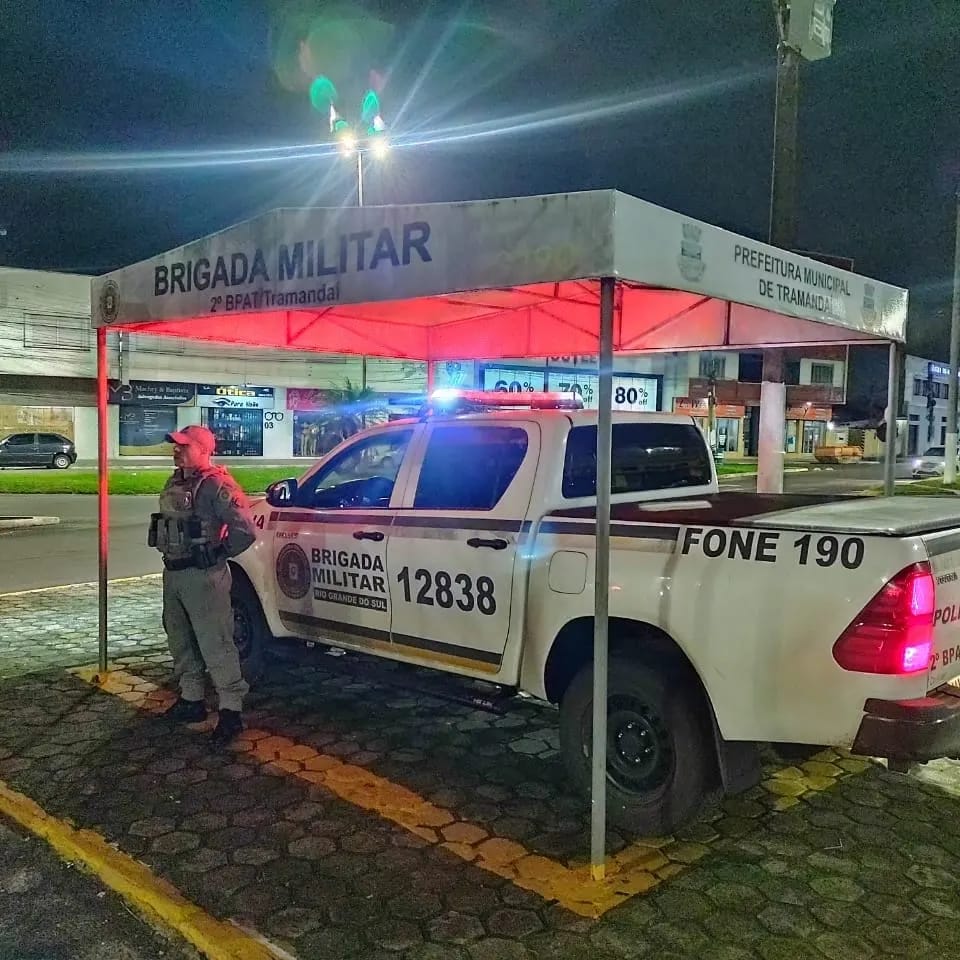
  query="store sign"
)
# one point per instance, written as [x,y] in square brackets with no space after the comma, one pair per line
[145,392]
[701,408]
[939,370]
[630,392]
[307,398]
[235,398]
[809,413]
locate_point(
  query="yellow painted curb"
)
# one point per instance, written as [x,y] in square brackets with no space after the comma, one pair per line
[156,899]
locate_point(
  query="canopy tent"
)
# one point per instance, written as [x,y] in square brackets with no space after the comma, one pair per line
[493,279]
[585,273]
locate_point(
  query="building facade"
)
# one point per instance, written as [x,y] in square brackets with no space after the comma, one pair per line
[283,404]
[926,392]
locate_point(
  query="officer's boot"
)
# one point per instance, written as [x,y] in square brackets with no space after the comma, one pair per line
[187,711]
[228,727]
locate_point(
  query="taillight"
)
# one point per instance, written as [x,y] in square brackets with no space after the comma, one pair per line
[894,631]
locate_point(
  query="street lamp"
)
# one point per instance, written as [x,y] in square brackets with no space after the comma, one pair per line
[374,136]
[377,145]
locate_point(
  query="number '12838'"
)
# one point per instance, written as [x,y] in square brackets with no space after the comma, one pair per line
[446,590]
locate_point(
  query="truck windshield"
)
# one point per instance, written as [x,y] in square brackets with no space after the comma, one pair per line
[646,456]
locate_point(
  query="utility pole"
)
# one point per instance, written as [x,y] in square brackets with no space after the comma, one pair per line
[783,179]
[950,467]
[804,30]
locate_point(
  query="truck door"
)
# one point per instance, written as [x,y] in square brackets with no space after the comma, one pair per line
[453,548]
[330,545]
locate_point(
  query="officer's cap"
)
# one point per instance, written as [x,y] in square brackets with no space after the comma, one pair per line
[197,435]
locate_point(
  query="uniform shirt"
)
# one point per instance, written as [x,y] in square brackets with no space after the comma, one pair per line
[213,497]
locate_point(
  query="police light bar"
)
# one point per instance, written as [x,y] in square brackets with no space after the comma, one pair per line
[450,397]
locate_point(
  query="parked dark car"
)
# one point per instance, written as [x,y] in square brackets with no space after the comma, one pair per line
[37,450]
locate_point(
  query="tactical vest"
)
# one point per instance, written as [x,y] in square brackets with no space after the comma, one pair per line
[178,527]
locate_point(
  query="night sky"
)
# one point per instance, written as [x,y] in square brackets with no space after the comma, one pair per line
[108,108]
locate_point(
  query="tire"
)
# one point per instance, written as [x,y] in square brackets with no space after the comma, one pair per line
[647,794]
[250,631]
[61,461]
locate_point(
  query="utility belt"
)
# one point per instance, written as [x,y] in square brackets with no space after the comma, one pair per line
[192,563]
[201,560]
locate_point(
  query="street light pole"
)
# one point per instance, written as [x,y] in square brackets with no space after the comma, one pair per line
[359,177]
[950,449]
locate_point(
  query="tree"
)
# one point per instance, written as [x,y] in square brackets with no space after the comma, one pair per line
[353,405]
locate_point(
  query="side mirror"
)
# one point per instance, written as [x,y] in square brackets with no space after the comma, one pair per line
[281,493]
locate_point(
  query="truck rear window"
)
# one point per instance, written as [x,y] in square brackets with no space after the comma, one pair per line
[646,456]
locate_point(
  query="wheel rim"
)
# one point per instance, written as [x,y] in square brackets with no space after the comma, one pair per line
[640,757]
[242,632]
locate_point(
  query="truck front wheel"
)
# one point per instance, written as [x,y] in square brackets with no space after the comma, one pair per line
[251,635]
[658,745]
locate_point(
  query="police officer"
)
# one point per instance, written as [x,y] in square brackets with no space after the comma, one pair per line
[203,520]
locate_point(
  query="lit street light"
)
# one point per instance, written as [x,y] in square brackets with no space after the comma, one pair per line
[377,145]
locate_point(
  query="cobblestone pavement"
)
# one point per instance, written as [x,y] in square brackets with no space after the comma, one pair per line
[373,811]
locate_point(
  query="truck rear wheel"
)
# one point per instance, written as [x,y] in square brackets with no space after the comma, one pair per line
[658,745]
[251,635]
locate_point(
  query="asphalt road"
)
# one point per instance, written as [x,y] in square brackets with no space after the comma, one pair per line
[67,553]
[52,911]
[846,479]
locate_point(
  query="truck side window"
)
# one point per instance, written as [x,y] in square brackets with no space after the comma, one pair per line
[363,475]
[469,467]
[646,456]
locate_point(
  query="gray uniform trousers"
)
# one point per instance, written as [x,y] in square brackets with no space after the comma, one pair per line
[198,619]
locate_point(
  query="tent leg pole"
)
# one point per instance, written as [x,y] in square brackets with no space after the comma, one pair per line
[103,489]
[890,454]
[598,788]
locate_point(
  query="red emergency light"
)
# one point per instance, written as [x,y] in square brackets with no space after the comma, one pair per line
[532,400]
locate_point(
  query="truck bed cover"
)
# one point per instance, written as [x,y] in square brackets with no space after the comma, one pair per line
[867,516]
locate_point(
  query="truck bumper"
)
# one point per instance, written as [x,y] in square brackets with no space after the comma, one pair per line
[911,730]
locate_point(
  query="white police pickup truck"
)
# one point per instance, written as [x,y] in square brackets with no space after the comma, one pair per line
[464,542]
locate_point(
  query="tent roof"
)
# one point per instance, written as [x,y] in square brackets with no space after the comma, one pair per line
[493,278]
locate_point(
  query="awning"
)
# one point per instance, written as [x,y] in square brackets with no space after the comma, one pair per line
[492,279]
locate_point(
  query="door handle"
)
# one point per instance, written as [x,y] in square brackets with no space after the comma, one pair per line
[374,535]
[496,544]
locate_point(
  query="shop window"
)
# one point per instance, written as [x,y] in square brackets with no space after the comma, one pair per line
[144,429]
[728,434]
[821,374]
[239,433]
[813,434]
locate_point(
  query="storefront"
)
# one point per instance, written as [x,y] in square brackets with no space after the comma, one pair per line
[148,411]
[235,414]
[806,429]
[631,391]
[324,418]
[727,418]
